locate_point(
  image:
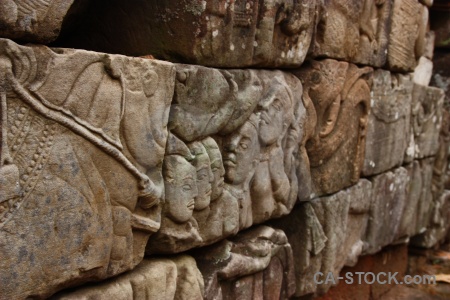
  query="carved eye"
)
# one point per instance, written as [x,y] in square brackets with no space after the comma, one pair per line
[276,104]
[187,187]
[182,76]
[316,77]
[243,145]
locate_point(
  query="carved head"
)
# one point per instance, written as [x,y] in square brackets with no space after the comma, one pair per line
[179,181]
[241,152]
[204,175]
[180,187]
[276,113]
[215,158]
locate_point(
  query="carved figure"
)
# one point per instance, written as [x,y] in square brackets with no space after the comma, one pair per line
[223,213]
[71,137]
[354,30]
[271,186]
[241,151]
[340,93]
[33,20]
[179,229]
[252,265]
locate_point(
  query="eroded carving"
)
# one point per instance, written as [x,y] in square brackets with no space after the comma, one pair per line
[355,31]
[408,35]
[426,120]
[75,163]
[340,94]
[326,234]
[32,21]
[255,264]
[389,126]
[220,33]
[389,199]
[154,278]
[246,145]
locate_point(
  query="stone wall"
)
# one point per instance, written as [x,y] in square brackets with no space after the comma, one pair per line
[220,149]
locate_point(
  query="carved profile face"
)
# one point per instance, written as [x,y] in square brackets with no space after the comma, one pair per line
[241,151]
[181,188]
[274,118]
[204,175]
[215,158]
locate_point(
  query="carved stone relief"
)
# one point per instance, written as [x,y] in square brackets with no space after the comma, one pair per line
[356,31]
[339,93]
[389,197]
[83,140]
[419,199]
[408,35]
[438,221]
[33,21]
[219,33]
[238,136]
[255,264]
[389,125]
[326,234]
[426,120]
[154,278]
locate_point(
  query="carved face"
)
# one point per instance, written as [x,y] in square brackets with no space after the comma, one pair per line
[181,188]
[218,172]
[241,150]
[273,120]
[204,175]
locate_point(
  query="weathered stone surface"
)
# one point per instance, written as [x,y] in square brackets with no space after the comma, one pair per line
[389,126]
[438,221]
[390,260]
[212,33]
[154,278]
[389,197]
[417,208]
[33,21]
[81,179]
[356,31]
[255,264]
[237,146]
[326,234]
[408,35]
[426,120]
[340,94]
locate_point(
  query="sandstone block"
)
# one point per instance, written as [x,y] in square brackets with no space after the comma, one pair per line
[326,234]
[154,278]
[389,126]
[33,21]
[389,197]
[417,209]
[408,35]
[82,179]
[235,155]
[340,95]
[212,33]
[355,31]
[426,122]
[255,264]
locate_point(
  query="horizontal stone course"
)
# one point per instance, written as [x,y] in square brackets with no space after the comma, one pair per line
[112,167]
